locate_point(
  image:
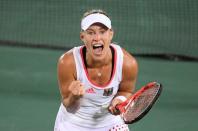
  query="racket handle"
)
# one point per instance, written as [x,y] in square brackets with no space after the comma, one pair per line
[120,108]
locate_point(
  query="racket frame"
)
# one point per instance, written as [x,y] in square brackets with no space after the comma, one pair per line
[123,106]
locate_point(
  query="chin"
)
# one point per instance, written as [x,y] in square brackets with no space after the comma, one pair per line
[99,57]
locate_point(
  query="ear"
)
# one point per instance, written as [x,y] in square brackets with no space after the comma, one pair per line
[111,34]
[82,36]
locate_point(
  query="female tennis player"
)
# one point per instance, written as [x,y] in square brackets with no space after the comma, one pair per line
[94,78]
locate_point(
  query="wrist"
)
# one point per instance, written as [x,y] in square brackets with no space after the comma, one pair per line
[122,98]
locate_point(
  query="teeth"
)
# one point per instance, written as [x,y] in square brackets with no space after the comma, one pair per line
[97,48]
[97,45]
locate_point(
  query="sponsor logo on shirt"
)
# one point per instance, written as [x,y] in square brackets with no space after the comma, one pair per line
[90,90]
[108,91]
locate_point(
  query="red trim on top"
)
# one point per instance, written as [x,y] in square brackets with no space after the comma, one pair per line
[86,72]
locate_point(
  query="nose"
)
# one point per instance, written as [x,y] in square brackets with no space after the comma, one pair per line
[97,37]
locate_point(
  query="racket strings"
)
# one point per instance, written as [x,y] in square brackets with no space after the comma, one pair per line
[140,104]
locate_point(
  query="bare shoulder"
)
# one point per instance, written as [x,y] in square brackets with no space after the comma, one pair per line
[129,74]
[66,59]
[66,64]
[129,61]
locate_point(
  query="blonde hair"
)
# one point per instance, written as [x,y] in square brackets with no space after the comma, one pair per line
[94,11]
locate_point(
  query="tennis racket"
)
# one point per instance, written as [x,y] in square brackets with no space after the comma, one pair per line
[140,103]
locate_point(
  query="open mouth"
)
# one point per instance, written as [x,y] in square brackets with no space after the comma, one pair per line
[98,48]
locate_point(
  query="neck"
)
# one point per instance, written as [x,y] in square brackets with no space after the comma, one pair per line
[92,63]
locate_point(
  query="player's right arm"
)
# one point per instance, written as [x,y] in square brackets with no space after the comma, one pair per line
[70,89]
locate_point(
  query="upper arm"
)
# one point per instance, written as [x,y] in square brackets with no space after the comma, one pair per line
[129,75]
[66,73]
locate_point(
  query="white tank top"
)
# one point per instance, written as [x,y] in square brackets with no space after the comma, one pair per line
[93,111]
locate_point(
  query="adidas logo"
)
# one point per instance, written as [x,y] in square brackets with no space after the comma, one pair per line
[90,90]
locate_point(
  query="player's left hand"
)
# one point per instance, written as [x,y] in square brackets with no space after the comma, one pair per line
[112,106]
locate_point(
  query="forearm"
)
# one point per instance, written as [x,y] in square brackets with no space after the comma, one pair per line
[72,94]
[70,100]
[124,93]
[71,103]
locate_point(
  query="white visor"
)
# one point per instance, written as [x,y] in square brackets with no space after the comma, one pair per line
[95,18]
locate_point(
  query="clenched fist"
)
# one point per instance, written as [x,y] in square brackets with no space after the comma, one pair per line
[76,89]
[75,92]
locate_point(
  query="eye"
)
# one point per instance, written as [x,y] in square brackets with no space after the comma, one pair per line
[90,32]
[102,31]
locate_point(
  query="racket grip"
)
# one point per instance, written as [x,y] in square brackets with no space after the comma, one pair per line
[120,108]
